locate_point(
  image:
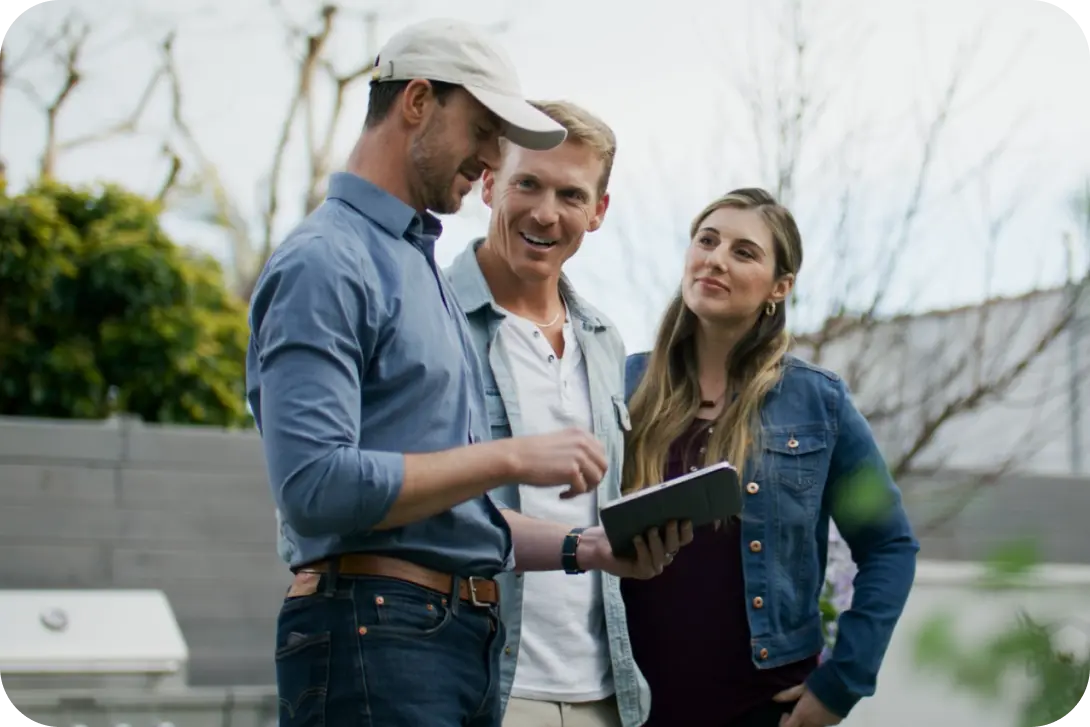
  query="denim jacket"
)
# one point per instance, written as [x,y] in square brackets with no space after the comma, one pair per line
[604,352]
[818,459]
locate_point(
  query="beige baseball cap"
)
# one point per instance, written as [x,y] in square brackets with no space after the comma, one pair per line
[456,52]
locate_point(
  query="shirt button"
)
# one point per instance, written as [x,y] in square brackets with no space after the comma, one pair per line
[507,650]
[551,358]
[792,443]
[537,334]
[758,602]
[764,654]
[753,488]
[755,546]
[692,469]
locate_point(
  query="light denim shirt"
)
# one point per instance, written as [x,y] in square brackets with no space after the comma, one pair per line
[818,461]
[359,354]
[604,351]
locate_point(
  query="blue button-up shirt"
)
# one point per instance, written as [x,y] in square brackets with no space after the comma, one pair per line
[359,354]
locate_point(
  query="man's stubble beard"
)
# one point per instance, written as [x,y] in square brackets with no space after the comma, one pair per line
[434,185]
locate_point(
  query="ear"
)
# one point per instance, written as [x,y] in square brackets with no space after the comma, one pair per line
[783,287]
[488,183]
[416,102]
[599,213]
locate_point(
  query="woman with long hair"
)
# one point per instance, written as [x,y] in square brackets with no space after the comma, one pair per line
[729,635]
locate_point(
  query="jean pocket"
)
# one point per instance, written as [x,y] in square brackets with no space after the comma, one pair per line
[393,608]
[302,677]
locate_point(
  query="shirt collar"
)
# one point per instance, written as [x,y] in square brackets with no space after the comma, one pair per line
[382,208]
[473,293]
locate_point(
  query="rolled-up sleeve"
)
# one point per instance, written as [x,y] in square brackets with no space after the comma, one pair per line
[314,335]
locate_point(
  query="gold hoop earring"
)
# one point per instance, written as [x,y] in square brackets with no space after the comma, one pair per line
[770,309]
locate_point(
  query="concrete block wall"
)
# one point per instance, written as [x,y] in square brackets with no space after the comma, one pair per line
[123,504]
[187,510]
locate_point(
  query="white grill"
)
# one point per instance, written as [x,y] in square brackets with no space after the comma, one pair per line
[59,639]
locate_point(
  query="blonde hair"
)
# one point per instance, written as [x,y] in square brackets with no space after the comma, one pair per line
[584,128]
[668,397]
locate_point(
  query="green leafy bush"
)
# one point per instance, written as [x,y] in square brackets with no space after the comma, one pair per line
[100,312]
[1057,679]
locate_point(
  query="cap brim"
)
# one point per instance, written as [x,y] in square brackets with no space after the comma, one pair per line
[525,125]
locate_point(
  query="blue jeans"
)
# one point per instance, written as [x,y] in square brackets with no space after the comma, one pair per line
[379,652]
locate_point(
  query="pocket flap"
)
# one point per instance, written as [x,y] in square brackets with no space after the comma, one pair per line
[622,413]
[795,441]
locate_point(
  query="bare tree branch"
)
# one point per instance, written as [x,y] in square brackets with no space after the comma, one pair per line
[172,177]
[75,35]
[251,246]
[226,214]
[917,384]
[314,45]
[971,400]
[123,127]
[68,48]
[321,157]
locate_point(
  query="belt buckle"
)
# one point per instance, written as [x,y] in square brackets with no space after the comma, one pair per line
[471,580]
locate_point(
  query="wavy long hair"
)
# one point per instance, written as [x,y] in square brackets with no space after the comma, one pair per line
[668,397]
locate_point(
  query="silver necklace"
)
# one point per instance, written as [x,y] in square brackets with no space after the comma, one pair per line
[549,324]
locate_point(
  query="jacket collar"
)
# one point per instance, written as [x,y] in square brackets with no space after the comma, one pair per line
[473,292]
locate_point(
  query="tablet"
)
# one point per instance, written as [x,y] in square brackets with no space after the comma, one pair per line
[704,496]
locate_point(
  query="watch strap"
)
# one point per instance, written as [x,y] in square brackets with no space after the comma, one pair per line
[568,550]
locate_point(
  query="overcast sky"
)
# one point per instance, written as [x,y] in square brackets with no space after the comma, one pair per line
[662,75]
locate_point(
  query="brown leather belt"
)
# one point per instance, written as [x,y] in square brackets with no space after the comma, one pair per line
[477,591]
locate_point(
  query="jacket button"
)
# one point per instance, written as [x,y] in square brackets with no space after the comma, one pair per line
[764,654]
[753,488]
[792,443]
[755,546]
[507,650]
[758,602]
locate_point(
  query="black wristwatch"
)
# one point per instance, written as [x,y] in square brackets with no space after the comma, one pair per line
[568,550]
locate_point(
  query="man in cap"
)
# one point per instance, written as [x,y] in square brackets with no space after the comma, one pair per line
[366,390]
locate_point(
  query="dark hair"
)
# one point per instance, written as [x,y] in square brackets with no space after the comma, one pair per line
[385,93]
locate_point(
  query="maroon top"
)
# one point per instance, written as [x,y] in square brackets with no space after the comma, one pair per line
[689,628]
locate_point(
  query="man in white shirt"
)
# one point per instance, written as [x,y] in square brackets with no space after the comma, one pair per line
[554,362]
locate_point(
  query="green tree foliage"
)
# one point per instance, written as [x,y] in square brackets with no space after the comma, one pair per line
[100,312]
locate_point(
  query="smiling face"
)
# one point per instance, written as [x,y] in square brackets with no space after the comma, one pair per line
[458,142]
[543,203]
[730,272]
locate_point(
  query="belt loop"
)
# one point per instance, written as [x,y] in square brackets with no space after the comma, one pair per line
[332,575]
[455,594]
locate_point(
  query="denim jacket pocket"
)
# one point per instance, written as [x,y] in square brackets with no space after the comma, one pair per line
[796,456]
